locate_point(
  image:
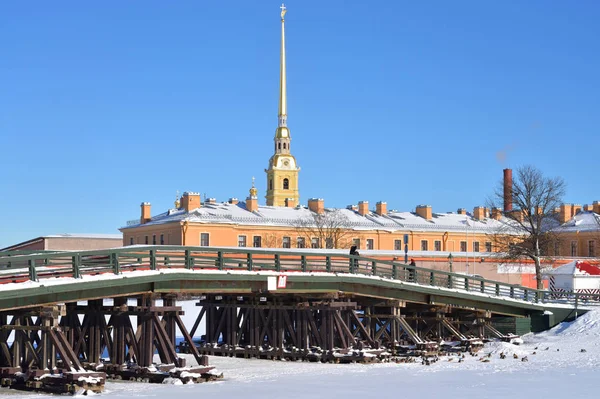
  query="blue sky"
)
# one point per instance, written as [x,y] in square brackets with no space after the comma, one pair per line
[108,104]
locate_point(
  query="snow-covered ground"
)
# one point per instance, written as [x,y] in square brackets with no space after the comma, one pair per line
[563,362]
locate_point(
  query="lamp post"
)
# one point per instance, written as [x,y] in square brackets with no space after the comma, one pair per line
[450,258]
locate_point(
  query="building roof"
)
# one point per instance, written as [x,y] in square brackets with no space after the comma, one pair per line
[583,221]
[576,267]
[65,235]
[227,213]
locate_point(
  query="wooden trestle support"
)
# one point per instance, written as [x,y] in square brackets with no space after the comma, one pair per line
[69,348]
[335,329]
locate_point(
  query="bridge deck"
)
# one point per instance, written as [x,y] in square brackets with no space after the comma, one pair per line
[35,279]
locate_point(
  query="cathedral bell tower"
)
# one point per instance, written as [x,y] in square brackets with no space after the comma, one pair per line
[282,175]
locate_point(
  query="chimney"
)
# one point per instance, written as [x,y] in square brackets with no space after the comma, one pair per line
[190,201]
[566,213]
[539,210]
[251,204]
[317,205]
[424,211]
[576,209]
[363,207]
[596,207]
[496,213]
[211,201]
[479,213]
[381,208]
[233,201]
[588,208]
[352,207]
[145,215]
[461,211]
[508,190]
[517,214]
[486,212]
[290,202]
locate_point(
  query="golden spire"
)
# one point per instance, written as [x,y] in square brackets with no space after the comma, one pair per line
[177,202]
[253,190]
[282,82]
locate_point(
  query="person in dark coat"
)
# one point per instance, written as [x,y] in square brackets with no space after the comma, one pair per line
[354,252]
[412,262]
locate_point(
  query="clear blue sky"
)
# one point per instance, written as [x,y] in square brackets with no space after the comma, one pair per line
[104,105]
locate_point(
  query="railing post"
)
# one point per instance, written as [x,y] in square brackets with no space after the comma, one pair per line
[152,259]
[249,261]
[512,292]
[328,264]
[76,262]
[431,278]
[277,263]
[220,260]
[374,268]
[303,261]
[32,271]
[450,281]
[394,271]
[466,284]
[482,287]
[497,289]
[351,268]
[115,263]
[525,295]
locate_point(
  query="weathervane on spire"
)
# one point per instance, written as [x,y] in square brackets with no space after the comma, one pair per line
[283,10]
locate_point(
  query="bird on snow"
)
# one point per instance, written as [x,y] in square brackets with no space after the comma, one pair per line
[524,359]
[583,350]
[515,356]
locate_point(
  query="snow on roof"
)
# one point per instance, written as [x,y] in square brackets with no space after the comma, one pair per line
[583,221]
[226,213]
[576,268]
[76,235]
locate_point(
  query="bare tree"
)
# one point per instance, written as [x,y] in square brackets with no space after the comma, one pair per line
[331,228]
[527,231]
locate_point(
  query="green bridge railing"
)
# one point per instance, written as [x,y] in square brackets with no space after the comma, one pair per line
[18,267]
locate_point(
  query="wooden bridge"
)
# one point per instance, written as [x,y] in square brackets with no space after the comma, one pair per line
[70,309]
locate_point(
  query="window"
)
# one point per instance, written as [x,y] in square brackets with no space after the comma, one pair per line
[241,241]
[370,244]
[131,241]
[556,248]
[397,245]
[356,242]
[437,245]
[314,242]
[279,146]
[146,240]
[162,239]
[284,146]
[204,240]
[488,246]
[476,246]
[300,242]
[423,245]
[573,248]
[286,184]
[463,246]
[270,184]
[591,248]
[287,243]
[329,243]
[256,241]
